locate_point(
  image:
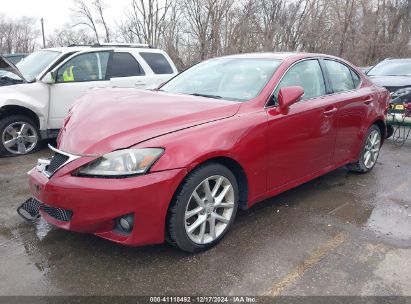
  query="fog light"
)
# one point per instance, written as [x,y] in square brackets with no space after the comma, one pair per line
[125,223]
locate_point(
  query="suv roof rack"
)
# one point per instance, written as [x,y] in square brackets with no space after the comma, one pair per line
[125,45]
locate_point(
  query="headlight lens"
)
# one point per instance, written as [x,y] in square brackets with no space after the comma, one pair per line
[122,163]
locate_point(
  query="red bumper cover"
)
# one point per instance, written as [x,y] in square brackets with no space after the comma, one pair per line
[96,202]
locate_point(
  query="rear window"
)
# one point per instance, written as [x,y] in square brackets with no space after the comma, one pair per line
[340,76]
[125,65]
[157,62]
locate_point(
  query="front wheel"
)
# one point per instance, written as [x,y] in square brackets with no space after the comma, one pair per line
[203,209]
[369,153]
[19,135]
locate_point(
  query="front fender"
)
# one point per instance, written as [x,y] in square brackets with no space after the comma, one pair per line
[32,96]
[241,138]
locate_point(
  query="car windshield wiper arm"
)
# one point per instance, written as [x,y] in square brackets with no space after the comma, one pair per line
[206,95]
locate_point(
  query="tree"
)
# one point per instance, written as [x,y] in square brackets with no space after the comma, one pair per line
[18,35]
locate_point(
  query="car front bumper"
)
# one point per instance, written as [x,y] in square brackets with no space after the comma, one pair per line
[95,203]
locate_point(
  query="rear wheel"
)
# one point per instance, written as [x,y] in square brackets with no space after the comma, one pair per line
[369,153]
[19,135]
[203,209]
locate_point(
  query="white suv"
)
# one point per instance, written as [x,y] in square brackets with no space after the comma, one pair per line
[36,95]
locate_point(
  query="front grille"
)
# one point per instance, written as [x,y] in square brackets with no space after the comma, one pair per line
[57,213]
[56,162]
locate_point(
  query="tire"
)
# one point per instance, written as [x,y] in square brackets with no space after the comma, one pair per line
[16,139]
[369,151]
[188,211]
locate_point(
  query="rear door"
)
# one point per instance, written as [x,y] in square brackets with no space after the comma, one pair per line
[301,142]
[74,78]
[354,102]
[126,71]
[161,66]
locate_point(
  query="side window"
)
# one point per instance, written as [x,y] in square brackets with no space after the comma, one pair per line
[157,62]
[340,75]
[306,74]
[84,67]
[125,65]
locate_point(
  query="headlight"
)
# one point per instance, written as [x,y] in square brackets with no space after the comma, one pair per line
[122,163]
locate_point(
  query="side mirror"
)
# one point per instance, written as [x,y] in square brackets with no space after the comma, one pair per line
[48,78]
[288,96]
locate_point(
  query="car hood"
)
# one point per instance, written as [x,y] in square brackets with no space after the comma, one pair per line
[105,120]
[7,65]
[391,81]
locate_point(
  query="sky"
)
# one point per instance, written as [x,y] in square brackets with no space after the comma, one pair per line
[55,12]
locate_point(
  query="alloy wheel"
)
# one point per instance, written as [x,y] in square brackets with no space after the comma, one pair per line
[209,210]
[19,138]
[372,149]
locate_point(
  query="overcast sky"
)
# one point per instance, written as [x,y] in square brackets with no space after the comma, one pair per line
[54,12]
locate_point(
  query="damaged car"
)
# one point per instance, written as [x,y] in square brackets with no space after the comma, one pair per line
[37,93]
[140,167]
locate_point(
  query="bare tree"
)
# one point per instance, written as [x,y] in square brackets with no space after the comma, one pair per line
[145,20]
[83,16]
[100,7]
[69,36]
[363,31]
[19,35]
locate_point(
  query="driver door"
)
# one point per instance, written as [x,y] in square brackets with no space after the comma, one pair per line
[301,142]
[74,78]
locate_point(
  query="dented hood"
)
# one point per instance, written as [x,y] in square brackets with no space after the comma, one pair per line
[110,119]
[8,66]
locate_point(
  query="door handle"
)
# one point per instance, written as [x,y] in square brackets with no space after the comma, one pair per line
[330,112]
[368,100]
[139,83]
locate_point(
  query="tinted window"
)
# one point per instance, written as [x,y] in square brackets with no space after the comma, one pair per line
[158,63]
[340,76]
[125,65]
[84,67]
[306,74]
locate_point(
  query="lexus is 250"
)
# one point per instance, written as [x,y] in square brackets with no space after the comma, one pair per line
[143,166]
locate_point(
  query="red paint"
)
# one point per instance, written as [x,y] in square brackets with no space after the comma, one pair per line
[277,149]
[289,95]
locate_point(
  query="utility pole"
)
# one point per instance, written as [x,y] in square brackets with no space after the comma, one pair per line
[42,31]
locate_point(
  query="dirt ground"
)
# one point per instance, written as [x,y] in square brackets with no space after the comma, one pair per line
[340,234]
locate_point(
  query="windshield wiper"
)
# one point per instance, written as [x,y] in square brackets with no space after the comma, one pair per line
[206,95]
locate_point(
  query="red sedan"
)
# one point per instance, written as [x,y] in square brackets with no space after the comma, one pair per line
[140,167]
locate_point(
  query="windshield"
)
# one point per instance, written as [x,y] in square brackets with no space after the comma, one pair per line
[391,68]
[237,79]
[31,66]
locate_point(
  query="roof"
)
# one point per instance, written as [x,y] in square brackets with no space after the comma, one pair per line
[397,59]
[103,47]
[277,55]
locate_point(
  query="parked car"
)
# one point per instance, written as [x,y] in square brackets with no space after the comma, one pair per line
[176,163]
[15,57]
[395,76]
[36,94]
[365,69]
